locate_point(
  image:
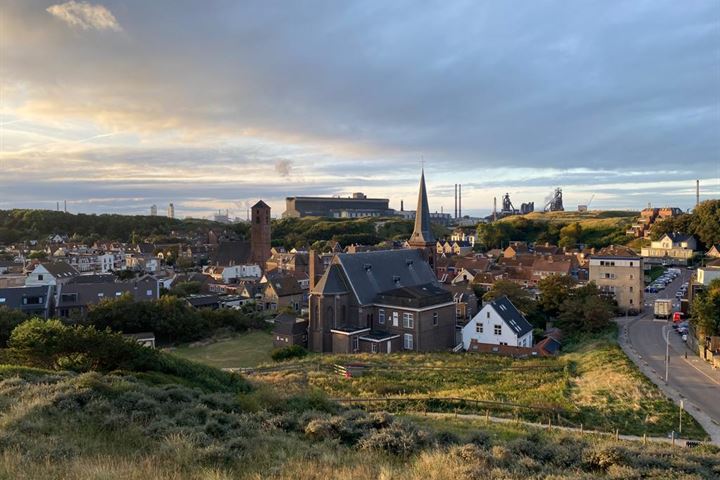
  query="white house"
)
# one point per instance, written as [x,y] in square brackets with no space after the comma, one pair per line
[498,323]
[233,272]
[50,274]
[674,246]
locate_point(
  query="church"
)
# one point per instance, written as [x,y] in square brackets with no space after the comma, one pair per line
[383,301]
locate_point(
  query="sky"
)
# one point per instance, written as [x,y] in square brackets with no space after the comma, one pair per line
[114,106]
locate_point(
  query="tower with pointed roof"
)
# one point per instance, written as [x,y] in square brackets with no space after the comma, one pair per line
[422,237]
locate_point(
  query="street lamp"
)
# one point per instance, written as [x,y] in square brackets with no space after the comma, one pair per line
[667,356]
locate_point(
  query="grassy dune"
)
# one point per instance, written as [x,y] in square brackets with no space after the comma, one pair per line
[593,384]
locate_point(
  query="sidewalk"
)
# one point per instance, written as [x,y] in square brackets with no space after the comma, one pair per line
[712,428]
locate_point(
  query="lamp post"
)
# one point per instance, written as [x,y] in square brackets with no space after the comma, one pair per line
[667,356]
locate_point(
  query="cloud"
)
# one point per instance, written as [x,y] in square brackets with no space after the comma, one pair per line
[85,15]
[283,167]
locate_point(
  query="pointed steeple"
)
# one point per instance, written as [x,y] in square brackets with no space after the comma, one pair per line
[422,234]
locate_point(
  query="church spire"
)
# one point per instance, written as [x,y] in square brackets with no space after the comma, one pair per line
[422,234]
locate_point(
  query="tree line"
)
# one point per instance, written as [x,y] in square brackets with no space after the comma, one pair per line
[703,222]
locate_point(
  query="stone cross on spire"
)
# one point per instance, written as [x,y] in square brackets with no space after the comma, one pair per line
[422,235]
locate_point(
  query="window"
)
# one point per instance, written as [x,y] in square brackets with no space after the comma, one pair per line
[149,293]
[40,277]
[395,319]
[479,328]
[631,289]
[373,347]
[101,294]
[435,319]
[381,316]
[2,300]
[498,329]
[631,302]
[408,341]
[355,344]
[117,294]
[408,320]
[488,314]
[631,264]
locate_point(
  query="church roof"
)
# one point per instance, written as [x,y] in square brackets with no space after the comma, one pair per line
[422,234]
[261,204]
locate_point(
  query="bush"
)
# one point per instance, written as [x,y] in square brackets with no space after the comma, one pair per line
[285,353]
[399,439]
[52,345]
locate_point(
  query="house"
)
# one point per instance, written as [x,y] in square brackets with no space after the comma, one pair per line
[515,248]
[33,301]
[461,247]
[618,272]
[544,267]
[466,301]
[280,291]
[209,301]
[462,236]
[290,330]
[705,275]
[714,251]
[675,248]
[10,266]
[232,273]
[498,323]
[51,274]
[75,297]
[231,253]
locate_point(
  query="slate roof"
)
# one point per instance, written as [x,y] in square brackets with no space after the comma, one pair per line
[284,285]
[60,269]
[615,251]
[12,297]
[511,315]
[678,237]
[231,253]
[203,300]
[370,273]
[104,278]
[417,296]
[332,283]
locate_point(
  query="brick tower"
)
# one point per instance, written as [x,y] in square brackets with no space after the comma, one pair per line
[260,234]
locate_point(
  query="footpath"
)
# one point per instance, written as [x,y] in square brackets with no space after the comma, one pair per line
[581,431]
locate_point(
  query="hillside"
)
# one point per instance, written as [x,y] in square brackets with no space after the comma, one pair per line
[595,228]
[150,415]
[21,225]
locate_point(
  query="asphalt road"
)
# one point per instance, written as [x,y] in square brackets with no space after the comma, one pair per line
[687,373]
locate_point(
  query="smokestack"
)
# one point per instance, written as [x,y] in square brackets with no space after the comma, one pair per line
[57,206]
[402,206]
[65,202]
[456,201]
[459,212]
[697,192]
[494,208]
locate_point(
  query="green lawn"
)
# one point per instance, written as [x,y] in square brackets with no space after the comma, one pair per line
[246,350]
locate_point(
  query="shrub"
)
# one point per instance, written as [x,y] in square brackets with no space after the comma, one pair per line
[400,439]
[52,345]
[603,457]
[285,353]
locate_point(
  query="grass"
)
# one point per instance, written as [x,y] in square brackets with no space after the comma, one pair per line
[593,384]
[245,350]
[90,426]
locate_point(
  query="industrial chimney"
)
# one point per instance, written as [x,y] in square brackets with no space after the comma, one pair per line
[459,212]
[456,201]
[697,192]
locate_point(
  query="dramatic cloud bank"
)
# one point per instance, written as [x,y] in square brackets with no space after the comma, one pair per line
[214,107]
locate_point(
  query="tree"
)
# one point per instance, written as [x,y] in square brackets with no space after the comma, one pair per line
[585,310]
[495,234]
[521,298]
[9,319]
[705,222]
[570,235]
[706,311]
[554,290]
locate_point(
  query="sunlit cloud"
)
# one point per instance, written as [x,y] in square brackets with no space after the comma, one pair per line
[85,16]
